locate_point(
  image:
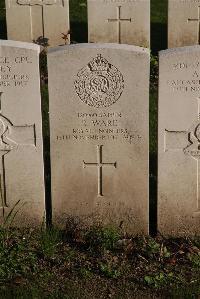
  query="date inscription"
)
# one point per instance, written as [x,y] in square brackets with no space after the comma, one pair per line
[10,76]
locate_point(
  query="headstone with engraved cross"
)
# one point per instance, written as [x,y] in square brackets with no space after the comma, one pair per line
[183,23]
[179,142]
[39,21]
[121,21]
[99,145]
[21,152]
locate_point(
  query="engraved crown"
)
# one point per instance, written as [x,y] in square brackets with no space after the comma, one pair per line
[99,64]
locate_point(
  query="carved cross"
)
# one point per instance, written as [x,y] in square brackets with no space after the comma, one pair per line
[99,164]
[119,20]
[11,137]
[197,20]
[41,3]
[188,142]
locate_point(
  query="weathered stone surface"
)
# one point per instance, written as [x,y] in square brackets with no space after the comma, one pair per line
[179,142]
[183,23]
[33,20]
[99,134]
[21,153]
[119,21]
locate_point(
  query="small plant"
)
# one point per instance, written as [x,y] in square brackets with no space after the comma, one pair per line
[152,247]
[49,240]
[70,255]
[109,271]
[159,280]
[9,218]
[102,238]
[156,250]
[165,252]
[66,36]
[43,70]
[41,41]
[154,72]
[195,259]
[85,273]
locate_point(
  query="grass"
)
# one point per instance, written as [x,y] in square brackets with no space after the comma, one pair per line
[70,264]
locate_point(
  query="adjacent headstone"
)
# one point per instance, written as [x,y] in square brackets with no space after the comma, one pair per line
[99,134]
[179,142]
[39,21]
[183,23]
[21,150]
[119,21]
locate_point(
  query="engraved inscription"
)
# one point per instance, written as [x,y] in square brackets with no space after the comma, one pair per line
[10,76]
[101,126]
[100,164]
[99,84]
[118,21]
[188,142]
[10,138]
[186,85]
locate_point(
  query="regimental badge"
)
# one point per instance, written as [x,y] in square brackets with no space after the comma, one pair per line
[99,84]
[193,149]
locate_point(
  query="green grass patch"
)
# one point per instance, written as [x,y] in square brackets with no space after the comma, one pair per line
[159,11]
[68,264]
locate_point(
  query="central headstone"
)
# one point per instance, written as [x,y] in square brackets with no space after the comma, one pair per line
[99,145]
[119,21]
[39,21]
[21,147]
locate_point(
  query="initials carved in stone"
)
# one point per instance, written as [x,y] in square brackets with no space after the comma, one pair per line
[99,84]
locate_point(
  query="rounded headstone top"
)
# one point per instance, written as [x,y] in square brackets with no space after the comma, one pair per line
[125,47]
[17,44]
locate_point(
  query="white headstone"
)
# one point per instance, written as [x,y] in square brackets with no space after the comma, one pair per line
[119,21]
[34,20]
[183,23]
[21,148]
[99,134]
[179,142]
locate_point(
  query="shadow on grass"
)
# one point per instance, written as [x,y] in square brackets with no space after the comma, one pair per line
[153,138]
[46,145]
[78,21]
[158,37]
[79,32]
[3,30]
[47,174]
[153,193]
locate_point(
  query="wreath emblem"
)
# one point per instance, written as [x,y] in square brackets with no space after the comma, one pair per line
[99,84]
